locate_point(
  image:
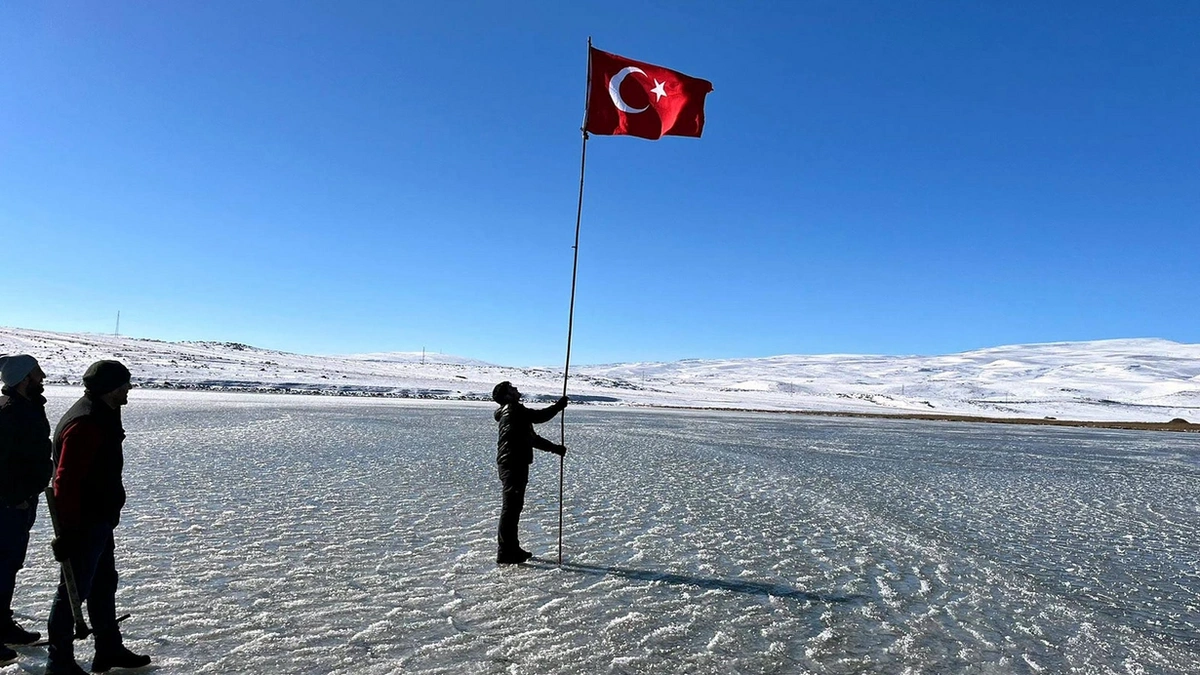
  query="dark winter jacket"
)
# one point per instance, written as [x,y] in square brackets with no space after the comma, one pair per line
[24,449]
[517,437]
[89,460]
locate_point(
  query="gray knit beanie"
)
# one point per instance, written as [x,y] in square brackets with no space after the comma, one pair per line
[16,368]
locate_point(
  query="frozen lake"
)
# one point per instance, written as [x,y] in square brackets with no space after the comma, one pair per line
[313,535]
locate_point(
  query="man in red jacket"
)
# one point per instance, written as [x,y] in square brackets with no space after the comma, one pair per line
[90,494]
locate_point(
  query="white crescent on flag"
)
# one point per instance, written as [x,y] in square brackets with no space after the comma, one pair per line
[614,90]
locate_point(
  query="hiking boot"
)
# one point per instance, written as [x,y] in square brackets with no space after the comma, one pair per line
[118,658]
[7,656]
[62,667]
[61,660]
[12,634]
[513,558]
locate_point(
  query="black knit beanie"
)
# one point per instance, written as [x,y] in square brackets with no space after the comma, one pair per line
[105,376]
[500,392]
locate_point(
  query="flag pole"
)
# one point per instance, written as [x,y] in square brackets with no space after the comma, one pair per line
[571,312]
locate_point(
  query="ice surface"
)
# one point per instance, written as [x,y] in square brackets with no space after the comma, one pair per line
[283,534]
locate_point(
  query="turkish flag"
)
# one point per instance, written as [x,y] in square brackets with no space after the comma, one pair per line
[628,97]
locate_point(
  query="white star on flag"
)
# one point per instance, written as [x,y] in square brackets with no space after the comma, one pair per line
[658,90]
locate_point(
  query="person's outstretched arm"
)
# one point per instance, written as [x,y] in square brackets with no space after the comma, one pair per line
[542,415]
[549,446]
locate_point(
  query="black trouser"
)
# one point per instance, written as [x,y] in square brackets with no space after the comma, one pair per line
[514,479]
[15,523]
[96,580]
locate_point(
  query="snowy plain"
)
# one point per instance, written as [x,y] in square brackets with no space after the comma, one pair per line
[306,534]
[1142,380]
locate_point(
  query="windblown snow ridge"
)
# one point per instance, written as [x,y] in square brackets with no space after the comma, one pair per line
[1149,380]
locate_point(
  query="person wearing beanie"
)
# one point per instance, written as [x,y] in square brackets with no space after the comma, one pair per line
[89,495]
[14,369]
[24,472]
[514,454]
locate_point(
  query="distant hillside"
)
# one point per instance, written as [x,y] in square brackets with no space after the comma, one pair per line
[1135,379]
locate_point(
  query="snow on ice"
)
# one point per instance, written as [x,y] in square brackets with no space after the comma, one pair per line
[293,534]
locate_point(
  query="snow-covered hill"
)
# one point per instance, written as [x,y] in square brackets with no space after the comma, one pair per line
[1131,380]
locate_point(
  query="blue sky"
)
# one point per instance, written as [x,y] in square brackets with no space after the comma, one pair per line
[875,177]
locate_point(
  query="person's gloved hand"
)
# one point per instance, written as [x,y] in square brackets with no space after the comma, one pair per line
[64,547]
[560,450]
[563,401]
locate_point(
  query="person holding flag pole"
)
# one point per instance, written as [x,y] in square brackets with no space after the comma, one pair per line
[514,454]
[626,98]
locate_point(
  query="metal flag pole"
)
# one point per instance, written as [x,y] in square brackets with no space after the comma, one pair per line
[562,460]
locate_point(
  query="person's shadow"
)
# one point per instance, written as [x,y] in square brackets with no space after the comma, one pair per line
[707,583]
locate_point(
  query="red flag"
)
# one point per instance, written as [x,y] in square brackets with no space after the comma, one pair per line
[632,98]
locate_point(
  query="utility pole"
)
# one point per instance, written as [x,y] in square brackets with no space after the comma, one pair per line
[422,356]
[117,332]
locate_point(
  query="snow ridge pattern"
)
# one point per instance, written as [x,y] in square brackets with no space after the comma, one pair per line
[1143,380]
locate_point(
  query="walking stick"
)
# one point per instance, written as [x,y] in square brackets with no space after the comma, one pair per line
[68,572]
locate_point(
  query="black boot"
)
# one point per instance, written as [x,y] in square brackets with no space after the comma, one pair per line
[65,668]
[119,657]
[12,634]
[513,557]
[62,662]
[7,656]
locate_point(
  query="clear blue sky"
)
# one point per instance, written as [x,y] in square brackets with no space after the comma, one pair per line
[875,177]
